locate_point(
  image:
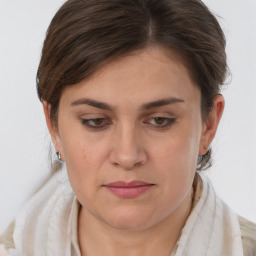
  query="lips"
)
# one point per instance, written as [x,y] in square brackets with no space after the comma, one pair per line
[128,189]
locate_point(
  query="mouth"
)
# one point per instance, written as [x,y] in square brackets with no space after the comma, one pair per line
[128,189]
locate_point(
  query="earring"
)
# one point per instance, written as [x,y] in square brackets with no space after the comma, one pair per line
[59,156]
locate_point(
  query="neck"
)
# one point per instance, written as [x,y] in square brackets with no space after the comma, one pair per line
[159,239]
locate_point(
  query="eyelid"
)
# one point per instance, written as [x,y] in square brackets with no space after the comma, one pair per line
[106,121]
[85,122]
[170,121]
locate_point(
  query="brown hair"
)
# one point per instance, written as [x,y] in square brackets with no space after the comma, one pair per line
[85,34]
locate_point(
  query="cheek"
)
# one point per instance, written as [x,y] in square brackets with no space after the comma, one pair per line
[80,147]
[179,152]
[176,162]
[83,160]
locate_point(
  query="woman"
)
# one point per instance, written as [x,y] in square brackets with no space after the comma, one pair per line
[131,96]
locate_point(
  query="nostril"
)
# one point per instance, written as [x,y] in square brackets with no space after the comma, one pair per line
[127,152]
[129,163]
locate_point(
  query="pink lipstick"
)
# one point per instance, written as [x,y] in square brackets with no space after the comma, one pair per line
[128,189]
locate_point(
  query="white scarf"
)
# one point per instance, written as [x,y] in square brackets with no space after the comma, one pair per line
[43,228]
[212,228]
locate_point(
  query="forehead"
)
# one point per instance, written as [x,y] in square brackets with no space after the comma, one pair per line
[141,76]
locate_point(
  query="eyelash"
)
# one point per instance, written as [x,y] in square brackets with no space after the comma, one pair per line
[167,123]
[86,122]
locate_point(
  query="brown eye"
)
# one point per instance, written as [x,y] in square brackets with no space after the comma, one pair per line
[161,122]
[96,123]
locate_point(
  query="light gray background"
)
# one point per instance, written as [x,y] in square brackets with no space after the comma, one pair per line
[24,141]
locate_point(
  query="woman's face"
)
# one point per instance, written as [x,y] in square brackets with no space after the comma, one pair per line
[130,136]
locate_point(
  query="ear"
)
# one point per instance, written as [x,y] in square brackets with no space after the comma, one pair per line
[211,123]
[53,129]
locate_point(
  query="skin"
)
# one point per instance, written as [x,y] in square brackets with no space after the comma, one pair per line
[132,144]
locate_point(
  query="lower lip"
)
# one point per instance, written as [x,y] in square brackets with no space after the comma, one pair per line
[129,192]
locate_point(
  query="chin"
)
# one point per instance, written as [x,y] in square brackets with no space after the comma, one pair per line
[129,219]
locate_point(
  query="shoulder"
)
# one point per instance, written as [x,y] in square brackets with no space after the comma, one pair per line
[248,235]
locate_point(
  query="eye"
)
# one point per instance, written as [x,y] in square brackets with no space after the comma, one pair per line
[96,123]
[161,122]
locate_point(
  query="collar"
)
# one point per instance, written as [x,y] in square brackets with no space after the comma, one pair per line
[75,249]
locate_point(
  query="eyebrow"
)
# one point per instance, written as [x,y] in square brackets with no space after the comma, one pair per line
[91,102]
[161,102]
[146,106]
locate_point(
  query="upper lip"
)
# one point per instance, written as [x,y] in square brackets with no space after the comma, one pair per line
[124,184]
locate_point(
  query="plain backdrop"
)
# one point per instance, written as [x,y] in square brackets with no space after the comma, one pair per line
[24,141]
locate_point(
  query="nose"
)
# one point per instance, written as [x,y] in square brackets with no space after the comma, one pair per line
[128,150]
